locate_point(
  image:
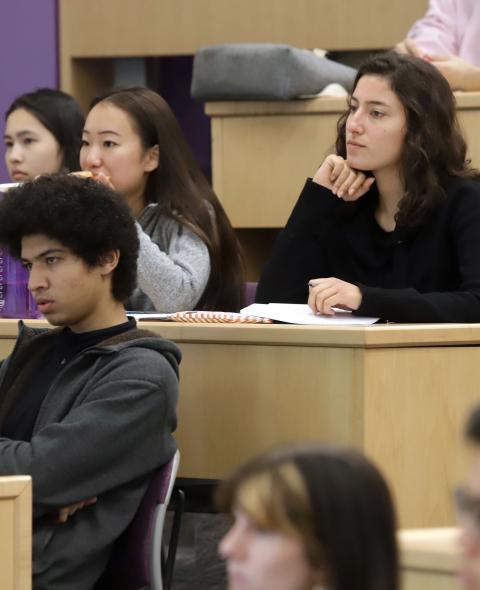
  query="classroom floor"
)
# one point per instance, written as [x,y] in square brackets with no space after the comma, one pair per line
[197,565]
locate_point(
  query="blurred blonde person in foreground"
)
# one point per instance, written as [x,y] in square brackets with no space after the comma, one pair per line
[309,517]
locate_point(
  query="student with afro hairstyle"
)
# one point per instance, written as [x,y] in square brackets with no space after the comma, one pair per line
[86,409]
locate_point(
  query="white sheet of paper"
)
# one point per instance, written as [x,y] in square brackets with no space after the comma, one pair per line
[7,186]
[295,313]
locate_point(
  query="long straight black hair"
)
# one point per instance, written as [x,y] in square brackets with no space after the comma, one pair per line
[181,190]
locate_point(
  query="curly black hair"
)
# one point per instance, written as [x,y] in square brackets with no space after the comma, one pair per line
[84,215]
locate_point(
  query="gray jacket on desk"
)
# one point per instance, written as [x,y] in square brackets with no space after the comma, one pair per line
[104,426]
[173,265]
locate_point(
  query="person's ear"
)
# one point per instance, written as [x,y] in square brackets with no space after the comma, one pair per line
[152,158]
[109,262]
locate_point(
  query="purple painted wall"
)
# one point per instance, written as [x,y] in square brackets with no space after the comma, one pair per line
[28,53]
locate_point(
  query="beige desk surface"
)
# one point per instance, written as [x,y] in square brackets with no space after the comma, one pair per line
[400,393]
[430,559]
[375,336]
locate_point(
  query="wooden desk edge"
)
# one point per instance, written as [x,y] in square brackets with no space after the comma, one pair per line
[12,486]
[434,549]
[430,560]
[381,336]
[377,336]
[305,106]
[299,106]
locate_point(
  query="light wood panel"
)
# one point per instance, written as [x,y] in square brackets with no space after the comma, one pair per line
[255,397]
[89,78]
[416,401]
[100,28]
[430,559]
[16,533]
[260,163]
[104,29]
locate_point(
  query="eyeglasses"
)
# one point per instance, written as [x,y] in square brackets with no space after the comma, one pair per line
[467,505]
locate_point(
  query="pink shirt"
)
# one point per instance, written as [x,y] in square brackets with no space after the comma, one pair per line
[450,26]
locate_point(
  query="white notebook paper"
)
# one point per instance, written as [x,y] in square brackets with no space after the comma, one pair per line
[295,313]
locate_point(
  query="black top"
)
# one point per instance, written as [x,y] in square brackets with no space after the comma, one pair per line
[430,274]
[20,420]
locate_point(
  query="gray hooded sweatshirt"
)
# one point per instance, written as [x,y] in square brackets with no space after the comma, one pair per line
[104,426]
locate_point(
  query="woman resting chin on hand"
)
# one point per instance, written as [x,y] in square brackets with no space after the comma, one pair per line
[345,182]
[388,227]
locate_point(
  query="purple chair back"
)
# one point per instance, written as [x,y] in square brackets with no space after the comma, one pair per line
[16,300]
[250,292]
[130,565]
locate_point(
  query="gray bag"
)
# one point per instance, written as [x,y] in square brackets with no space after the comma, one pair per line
[263,71]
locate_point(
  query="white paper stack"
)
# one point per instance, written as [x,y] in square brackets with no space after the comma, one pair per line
[295,313]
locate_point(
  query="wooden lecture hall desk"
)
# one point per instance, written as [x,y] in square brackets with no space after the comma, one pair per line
[430,559]
[15,533]
[399,392]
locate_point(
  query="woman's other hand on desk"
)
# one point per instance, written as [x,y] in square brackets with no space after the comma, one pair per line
[409,47]
[326,293]
[345,182]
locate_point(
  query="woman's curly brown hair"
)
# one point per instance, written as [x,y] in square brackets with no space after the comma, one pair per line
[434,144]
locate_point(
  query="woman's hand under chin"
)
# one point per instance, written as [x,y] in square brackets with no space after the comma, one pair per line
[345,182]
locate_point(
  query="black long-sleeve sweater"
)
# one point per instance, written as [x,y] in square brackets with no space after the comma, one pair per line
[429,274]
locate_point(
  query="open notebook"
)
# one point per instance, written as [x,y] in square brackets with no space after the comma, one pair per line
[259,313]
[295,313]
[201,317]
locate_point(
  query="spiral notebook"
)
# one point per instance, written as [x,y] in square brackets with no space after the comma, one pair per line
[201,317]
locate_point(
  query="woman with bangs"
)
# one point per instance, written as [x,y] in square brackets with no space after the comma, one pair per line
[389,226]
[309,517]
